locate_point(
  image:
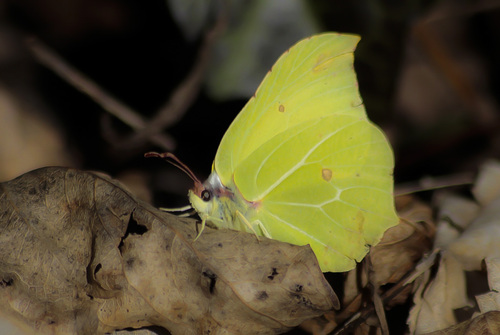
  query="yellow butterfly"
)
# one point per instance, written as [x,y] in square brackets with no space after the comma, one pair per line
[301,163]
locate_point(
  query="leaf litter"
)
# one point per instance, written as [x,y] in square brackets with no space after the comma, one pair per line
[83,255]
[467,234]
[433,265]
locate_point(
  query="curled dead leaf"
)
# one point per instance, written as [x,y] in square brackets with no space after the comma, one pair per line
[468,233]
[82,255]
[403,245]
[484,324]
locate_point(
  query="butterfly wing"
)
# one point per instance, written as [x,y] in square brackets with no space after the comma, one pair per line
[304,150]
[318,72]
[325,182]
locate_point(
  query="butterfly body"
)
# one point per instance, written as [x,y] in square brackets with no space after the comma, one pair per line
[226,207]
[302,163]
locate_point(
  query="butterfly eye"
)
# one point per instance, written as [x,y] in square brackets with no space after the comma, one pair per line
[206,195]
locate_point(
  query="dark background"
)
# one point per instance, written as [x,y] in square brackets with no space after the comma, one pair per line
[428,73]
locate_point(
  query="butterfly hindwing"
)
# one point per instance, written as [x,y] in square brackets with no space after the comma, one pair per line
[324,182]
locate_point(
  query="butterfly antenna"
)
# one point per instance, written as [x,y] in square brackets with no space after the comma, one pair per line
[172,159]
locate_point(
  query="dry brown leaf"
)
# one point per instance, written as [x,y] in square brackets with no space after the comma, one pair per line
[491,301]
[447,292]
[480,239]
[468,233]
[82,255]
[455,215]
[484,324]
[487,185]
[404,245]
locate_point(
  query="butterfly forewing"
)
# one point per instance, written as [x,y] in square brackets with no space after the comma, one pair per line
[316,72]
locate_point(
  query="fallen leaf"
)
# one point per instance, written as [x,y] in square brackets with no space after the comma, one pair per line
[480,239]
[485,324]
[455,214]
[491,301]
[445,293]
[403,245]
[468,233]
[82,255]
[487,186]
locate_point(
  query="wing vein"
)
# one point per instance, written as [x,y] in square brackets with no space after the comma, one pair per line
[306,234]
[263,102]
[300,163]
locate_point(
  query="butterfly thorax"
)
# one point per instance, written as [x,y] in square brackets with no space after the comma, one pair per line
[220,204]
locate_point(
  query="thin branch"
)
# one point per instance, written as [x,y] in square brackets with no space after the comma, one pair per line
[361,316]
[183,97]
[112,105]
[434,183]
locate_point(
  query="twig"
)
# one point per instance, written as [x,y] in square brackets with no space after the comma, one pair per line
[434,183]
[115,107]
[378,304]
[182,98]
[388,295]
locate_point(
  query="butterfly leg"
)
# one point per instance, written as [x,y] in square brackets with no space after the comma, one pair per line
[203,221]
[263,228]
[248,224]
[254,224]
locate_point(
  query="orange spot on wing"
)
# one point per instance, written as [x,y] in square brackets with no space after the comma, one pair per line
[326,174]
[359,222]
[281,108]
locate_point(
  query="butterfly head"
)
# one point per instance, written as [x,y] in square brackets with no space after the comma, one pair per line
[206,198]
[200,195]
